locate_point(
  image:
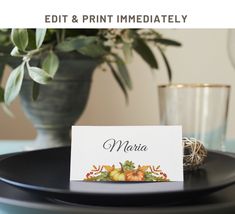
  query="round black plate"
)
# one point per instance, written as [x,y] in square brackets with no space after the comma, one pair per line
[47,172]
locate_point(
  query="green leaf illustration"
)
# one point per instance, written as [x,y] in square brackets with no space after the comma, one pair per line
[128,165]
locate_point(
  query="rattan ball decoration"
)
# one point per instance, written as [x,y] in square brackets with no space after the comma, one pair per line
[194,153]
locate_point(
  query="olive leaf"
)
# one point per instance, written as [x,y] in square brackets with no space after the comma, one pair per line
[93,50]
[19,38]
[169,42]
[86,45]
[14,83]
[76,43]
[127,50]
[35,91]
[39,75]
[15,52]
[50,64]
[40,35]
[123,71]
[145,52]
[169,72]
[119,81]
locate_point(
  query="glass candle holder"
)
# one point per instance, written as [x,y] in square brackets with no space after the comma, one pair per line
[201,109]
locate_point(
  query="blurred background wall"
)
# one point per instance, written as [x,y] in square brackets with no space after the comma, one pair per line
[203,58]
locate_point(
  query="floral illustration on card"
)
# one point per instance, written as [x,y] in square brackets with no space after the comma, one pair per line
[126,171]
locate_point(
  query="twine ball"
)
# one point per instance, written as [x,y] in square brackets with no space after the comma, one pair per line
[194,153]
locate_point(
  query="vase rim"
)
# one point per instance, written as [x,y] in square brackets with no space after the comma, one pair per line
[194,85]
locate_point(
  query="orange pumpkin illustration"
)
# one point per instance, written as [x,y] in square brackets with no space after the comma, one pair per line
[135,175]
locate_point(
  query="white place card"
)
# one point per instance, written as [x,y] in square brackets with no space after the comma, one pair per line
[126,153]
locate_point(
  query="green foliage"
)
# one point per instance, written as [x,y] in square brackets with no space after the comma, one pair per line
[123,72]
[169,42]
[150,177]
[50,64]
[145,52]
[127,51]
[39,75]
[94,50]
[15,52]
[35,91]
[4,37]
[128,165]
[19,38]
[104,176]
[14,83]
[40,35]
[32,39]
[114,47]
[76,44]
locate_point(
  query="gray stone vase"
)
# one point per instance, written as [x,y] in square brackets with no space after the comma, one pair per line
[60,103]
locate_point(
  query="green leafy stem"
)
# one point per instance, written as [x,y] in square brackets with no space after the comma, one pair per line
[113,47]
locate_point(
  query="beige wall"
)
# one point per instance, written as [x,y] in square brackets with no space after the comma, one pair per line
[203,58]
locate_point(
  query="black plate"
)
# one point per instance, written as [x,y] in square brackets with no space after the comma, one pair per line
[47,172]
[16,201]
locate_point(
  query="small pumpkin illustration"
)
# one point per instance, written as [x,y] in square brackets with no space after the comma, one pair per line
[117,175]
[134,175]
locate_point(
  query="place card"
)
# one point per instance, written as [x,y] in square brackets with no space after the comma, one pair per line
[126,153]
